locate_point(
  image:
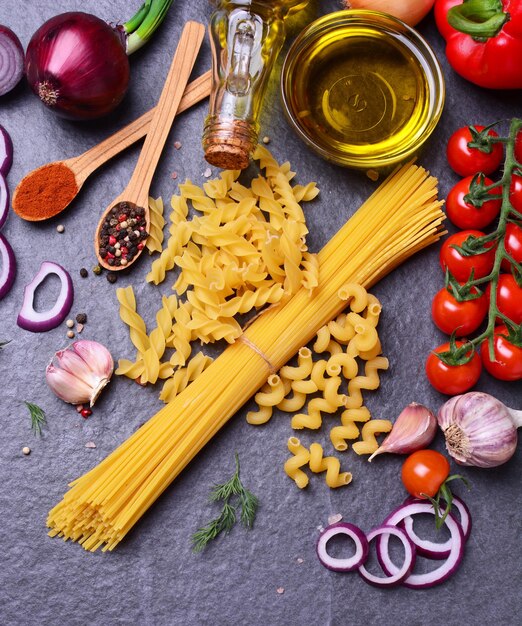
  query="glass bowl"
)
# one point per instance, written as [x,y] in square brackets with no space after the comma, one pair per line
[362,89]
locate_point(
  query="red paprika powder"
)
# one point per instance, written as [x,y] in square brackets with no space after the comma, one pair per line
[45,192]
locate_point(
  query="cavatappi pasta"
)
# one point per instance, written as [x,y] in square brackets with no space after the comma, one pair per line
[400,218]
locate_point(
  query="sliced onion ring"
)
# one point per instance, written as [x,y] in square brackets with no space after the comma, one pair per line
[11,60]
[343,565]
[432,549]
[4,200]
[441,573]
[7,267]
[6,151]
[400,574]
[36,322]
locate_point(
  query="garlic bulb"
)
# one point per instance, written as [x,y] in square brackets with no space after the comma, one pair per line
[479,429]
[80,372]
[409,11]
[413,430]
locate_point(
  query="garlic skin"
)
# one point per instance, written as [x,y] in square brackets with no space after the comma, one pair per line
[409,11]
[480,430]
[413,430]
[79,373]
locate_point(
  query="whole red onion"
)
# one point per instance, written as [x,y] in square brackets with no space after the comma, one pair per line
[77,65]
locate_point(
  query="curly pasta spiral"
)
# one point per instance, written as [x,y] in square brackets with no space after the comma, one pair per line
[329,464]
[293,464]
[154,241]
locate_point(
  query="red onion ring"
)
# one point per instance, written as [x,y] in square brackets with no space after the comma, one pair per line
[441,573]
[343,565]
[4,200]
[432,549]
[11,60]
[6,151]
[400,574]
[36,322]
[8,267]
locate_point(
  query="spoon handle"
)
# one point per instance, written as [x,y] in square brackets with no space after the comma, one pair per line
[85,164]
[191,39]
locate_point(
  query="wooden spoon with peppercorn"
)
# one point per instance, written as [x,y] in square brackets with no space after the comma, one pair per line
[124,225]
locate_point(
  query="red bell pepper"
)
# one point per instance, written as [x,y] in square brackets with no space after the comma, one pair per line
[483,40]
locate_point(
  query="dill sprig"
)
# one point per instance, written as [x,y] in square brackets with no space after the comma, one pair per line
[38,419]
[233,490]
[4,343]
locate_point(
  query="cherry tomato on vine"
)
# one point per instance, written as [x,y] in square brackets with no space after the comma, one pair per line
[508,357]
[509,298]
[460,266]
[452,379]
[464,214]
[423,473]
[515,192]
[467,161]
[512,244]
[450,315]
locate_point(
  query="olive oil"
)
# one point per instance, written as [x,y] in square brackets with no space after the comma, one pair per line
[361,93]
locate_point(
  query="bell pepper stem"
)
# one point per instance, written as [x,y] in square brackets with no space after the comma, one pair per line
[481,19]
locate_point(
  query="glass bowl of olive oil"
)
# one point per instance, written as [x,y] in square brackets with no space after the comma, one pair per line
[362,89]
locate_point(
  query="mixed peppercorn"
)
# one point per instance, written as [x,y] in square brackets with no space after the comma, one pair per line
[123,234]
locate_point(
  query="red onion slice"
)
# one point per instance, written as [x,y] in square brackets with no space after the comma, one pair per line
[36,322]
[343,565]
[6,151]
[432,549]
[441,573]
[400,574]
[4,200]
[7,267]
[11,60]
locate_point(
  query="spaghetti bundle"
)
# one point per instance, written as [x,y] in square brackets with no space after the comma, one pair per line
[401,217]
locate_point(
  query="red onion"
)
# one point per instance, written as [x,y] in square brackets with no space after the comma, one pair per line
[4,200]
[32,320]
[347,564]
[11,60]
[7,267]
[6,151]
[441,573]
[77,65]
[399,575]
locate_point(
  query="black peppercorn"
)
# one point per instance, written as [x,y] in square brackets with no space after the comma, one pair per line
[84,273]
[112,277]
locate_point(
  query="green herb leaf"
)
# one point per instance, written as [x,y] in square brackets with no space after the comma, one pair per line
[4,343]
[38,419]
[234,490]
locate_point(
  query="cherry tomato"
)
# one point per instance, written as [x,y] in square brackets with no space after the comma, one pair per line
[452,379]
[512,245]
[423,473]
[509,297]
[460,266]
[515,192]
[451,315]
[508,357]
[465,215]
[467,161]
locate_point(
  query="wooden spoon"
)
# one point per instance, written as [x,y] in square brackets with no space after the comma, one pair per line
[79,168]
[134,199]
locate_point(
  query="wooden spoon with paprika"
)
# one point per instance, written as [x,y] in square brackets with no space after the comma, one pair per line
[129,212]
[48,190]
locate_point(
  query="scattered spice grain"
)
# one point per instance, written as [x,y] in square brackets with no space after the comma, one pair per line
[90,444]
[97,270]
[112,277]
[81,318]
[79,328]
[70,334]
[84,273]
[177,145]
[69,323]
[266,139]
[45,192]
[207,173]
[60,228]
[280,590]
[85,413]
[26,450]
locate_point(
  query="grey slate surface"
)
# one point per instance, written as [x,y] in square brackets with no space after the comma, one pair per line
[153,578]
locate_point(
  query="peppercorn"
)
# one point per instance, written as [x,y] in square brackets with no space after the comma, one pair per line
[85,413]
[26,450]
[70,334]
[60,228]
[84,273]
[97,269]
[81,318]
[112,277]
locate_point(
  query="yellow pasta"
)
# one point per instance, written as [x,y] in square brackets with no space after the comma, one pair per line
[329,464]
[154,241]
[341,330]
[183,376]
[303,369]
[370,380]
[300,458]
[369,443]
[128,314]
[366,337]
[329,403]
[356,294]
[269,396]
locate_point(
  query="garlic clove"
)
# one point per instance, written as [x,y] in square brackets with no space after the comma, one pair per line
[66,386]
[80,372]
[413,430]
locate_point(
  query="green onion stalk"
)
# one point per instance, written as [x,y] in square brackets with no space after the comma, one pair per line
[478,194]
[142,25]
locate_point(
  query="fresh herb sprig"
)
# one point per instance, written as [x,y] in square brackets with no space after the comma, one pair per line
[38,419]
[479,192]
[4,343]
[233,495]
